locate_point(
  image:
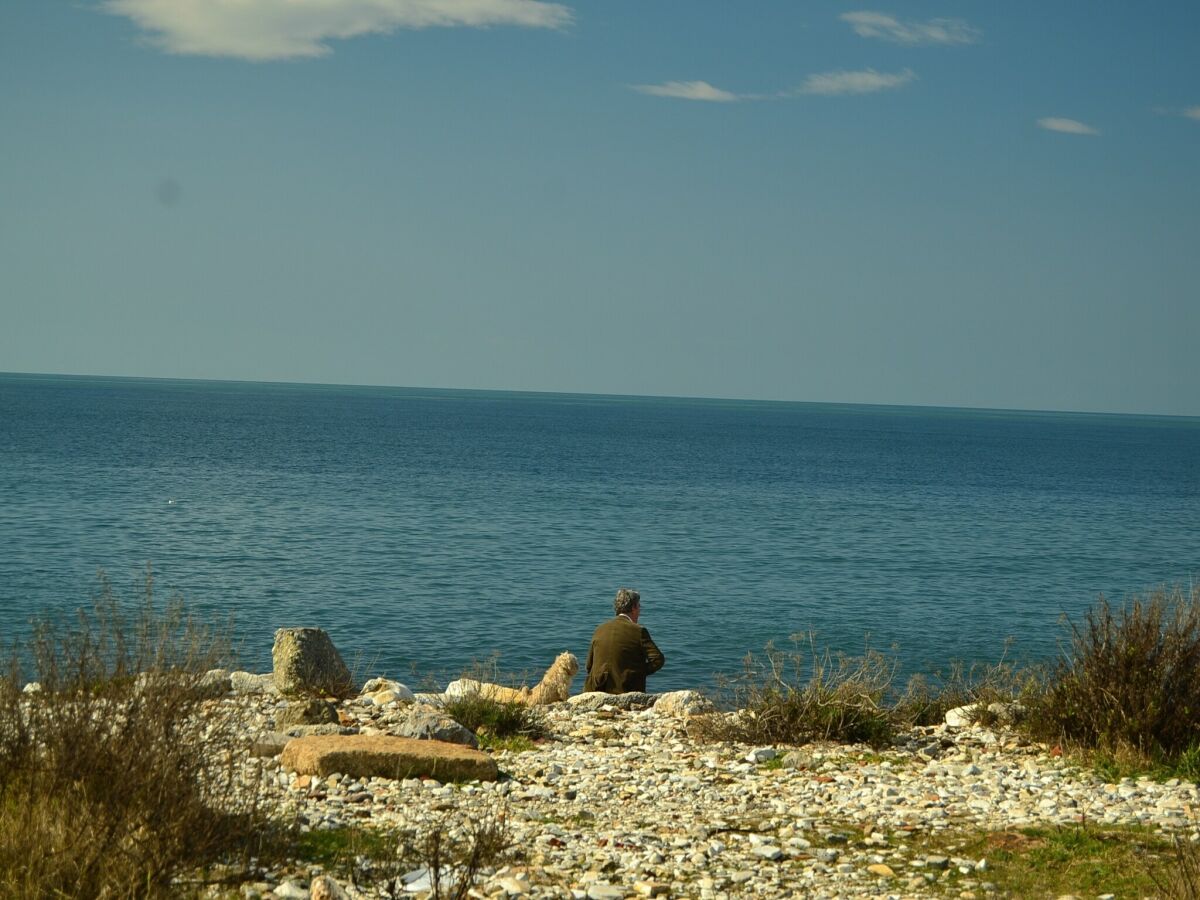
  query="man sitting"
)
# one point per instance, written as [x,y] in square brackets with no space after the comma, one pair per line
[622,653]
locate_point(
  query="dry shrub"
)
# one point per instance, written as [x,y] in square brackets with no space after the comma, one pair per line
[118,776]
[1129,679]
[804,695]
[1180,878]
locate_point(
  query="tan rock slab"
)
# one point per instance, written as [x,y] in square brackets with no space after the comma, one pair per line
[386,756]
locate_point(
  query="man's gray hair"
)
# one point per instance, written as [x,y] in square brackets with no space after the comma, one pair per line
[626,601]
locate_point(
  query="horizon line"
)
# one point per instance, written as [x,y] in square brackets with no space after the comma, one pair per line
[728,399]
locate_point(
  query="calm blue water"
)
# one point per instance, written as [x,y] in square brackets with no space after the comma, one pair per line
[428,528]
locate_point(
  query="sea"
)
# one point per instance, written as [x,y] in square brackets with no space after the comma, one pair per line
[434,531]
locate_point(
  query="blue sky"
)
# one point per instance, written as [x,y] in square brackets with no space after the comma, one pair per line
[954,203]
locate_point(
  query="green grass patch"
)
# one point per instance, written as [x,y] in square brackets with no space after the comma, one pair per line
[1079,860]
[335,849]
[516,743]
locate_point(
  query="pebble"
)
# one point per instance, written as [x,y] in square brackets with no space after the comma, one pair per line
[623,803]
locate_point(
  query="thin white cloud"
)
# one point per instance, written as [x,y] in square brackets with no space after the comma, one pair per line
[1192,112]
[865,81]
[287,29]
[1066,126]
[888,28]
[688,90]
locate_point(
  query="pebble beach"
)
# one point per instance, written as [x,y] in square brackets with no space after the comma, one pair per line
[623,801]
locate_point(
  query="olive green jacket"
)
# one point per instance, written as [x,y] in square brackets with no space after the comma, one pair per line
[621,656]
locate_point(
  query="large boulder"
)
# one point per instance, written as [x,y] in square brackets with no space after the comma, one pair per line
[307,664]
[427,723]
[387,756]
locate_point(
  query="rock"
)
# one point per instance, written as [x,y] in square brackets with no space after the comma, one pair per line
[602,890]
[428,723]
[761,754]
[312,711]
[652,889]
[1007,713]
[325,888]
[214,683]
[882,870]
[462,687]
[767,851]
[683,703]
[269,744]
[307,664]
[797,759]
[376,685]
[291,890]
[34,687]
[961,716]
[597,699]
[514,886]
[243,683]
[386,756]
[385,697]
[296,731]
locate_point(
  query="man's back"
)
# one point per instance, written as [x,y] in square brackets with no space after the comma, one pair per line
[621,656]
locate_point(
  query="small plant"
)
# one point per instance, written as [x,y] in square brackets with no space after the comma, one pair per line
[494,720]
[517,743]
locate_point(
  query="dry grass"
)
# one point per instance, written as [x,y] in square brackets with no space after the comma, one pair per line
[451,851]
[806,694]
[1180,878]
[118,776]
[927,698]
[1129,680]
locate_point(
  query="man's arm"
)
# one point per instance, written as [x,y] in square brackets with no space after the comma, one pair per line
[654,658]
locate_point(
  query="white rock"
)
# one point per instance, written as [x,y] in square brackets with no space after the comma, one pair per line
[761,754]
[463,687]
[602,890]
[960,716]
[682,703]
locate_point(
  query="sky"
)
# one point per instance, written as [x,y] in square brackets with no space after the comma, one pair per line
[952,203]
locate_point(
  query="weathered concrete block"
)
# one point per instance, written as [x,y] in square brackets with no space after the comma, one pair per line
[386,756]
[307,664]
